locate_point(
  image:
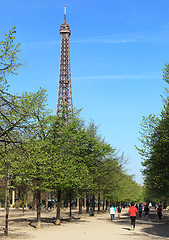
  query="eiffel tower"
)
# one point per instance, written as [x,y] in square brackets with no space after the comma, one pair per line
[64,99]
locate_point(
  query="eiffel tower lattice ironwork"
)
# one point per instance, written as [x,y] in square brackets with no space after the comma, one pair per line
[64,99]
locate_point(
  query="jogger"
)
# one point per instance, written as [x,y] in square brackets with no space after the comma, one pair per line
[133,211]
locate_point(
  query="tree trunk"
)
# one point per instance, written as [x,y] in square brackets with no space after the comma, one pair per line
[38,200]
[34,201]
[99,201]
[54,206]
[80,205]
[103,202]
[46,200]
[70,207]
[23,203]
[87,203]
[6,209]
[5,196]
[107,203]
[58,207]
[26,203]
[93,203]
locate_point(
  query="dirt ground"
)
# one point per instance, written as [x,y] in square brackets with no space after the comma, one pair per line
[85,227]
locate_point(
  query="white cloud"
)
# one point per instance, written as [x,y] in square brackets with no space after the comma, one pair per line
[41,43]
[161,36]
[124,38]
[106,39]
[118,77]
[103,40]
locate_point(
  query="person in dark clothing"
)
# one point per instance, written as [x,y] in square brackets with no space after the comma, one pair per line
[119,208]
[146,210]
[159,212]
[140,210]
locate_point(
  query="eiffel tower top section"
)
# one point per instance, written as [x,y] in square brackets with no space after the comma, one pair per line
[64,101]
[64,28]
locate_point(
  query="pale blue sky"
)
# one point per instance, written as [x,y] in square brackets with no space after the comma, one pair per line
[118,49]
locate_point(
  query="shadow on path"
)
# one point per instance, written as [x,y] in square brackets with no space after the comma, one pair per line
[45,221]
[152,227]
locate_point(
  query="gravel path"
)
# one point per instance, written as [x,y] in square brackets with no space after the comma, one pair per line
[85,228]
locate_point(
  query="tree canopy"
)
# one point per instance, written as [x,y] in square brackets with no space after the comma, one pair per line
[155,149]
[44,153]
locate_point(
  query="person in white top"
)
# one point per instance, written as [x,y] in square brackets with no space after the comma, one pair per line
[112,212]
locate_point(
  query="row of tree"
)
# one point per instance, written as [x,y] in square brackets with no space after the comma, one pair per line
[44,153]
[155,150]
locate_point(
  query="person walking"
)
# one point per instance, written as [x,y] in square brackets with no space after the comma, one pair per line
[146,210]
[159,212]
[112,212]
[140,210]
[155,206]
[119,208]
[133,212]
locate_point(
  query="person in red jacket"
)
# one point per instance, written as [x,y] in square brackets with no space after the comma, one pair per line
[133,211]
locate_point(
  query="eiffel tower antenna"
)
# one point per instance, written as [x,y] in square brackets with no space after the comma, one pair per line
[65,13]
[64,91]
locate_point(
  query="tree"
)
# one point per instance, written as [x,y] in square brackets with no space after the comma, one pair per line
[20,117]
[67,144]
[155,149]
[9,64]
